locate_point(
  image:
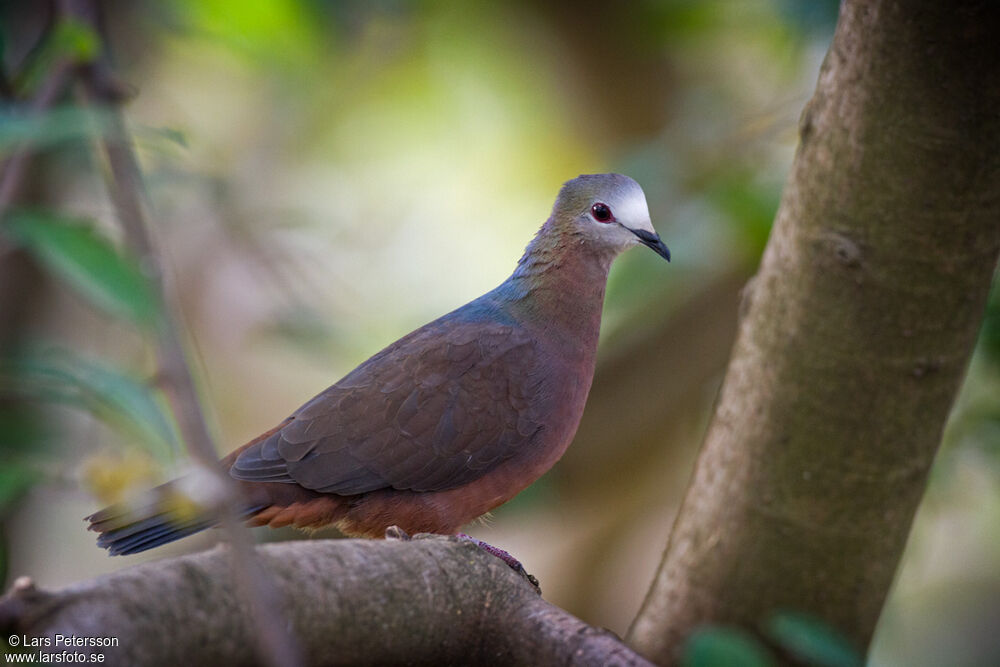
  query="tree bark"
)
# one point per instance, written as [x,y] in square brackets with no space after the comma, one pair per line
[856,334]
[433,601]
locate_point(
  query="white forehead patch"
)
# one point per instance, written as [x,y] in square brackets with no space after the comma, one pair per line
[632,211]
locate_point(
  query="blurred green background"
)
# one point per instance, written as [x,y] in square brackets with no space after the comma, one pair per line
[326,176]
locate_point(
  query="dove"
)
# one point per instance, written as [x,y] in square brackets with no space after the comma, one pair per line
[448,422]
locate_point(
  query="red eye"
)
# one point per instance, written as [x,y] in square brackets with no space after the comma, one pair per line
[601,212]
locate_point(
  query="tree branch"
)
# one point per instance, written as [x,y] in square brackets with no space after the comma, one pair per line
[427,601]
[857,333]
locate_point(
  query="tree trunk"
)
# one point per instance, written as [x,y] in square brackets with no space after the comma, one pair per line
[856,333]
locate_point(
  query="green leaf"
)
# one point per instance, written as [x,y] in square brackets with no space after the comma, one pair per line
[21,431]
[118,399]
[713,646]
[14,481]
[69,40]
[76,40]
[53,127]
[812,640]
[69,124]
[88,261]
[22,443]
[167,134]
[989,335]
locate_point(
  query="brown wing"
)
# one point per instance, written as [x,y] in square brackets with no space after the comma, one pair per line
[435,410]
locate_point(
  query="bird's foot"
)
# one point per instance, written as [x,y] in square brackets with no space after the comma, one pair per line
[505,556]
[397,533]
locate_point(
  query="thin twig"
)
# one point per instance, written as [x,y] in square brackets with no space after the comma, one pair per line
[128,195]
[14,167]
[124,185]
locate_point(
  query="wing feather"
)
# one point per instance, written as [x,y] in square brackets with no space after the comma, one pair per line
[435,410]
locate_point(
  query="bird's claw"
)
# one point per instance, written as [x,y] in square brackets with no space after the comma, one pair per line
[506,557]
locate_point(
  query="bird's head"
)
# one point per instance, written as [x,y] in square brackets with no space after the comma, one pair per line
[608,210]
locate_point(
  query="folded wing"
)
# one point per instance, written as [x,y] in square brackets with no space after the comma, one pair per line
[437,409]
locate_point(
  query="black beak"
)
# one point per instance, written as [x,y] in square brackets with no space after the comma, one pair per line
[653,241]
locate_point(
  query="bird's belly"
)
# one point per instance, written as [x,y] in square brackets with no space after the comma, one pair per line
[446,511]
[443,512]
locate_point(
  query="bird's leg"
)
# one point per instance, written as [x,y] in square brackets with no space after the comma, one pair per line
[505,556]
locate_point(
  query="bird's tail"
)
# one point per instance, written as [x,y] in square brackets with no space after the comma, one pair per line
[162,515]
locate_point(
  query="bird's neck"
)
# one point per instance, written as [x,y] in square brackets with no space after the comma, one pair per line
[558,287]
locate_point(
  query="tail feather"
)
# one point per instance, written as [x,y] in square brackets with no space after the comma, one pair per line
[161,516]
[121,543]
[128,524]
[166,513]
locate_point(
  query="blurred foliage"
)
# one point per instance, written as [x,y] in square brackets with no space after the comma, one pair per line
[115,476]
[739,196]
[68,40]
[808,641]
[977,423]
[21,437]
[811,640]
[48,129]
[71,125]
[107,392]
[22,441]
[989,340]
[285,33]
[725,647]
[73,250]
